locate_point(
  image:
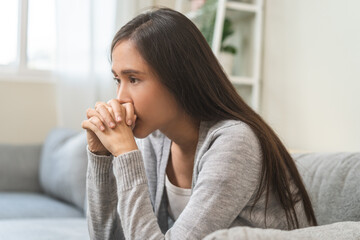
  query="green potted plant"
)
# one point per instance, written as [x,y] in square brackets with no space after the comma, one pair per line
[207,25]
[227,51]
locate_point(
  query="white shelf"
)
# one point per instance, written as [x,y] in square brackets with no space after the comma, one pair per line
[239,6]
[193,15]
[243,10]
[242,80]
[248,19]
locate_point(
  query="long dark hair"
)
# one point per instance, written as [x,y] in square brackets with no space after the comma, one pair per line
[180,56]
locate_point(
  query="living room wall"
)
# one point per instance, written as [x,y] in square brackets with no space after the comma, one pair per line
[310,93]
[28,111]
[311,73]
[310,80]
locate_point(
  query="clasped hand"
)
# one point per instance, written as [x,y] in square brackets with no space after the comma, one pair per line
[109,128]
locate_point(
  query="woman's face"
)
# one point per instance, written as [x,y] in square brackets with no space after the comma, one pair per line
[154,105]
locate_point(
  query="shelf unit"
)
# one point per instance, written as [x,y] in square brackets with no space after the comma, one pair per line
[247,19]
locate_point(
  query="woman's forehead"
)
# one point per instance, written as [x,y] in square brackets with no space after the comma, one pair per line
[125,56]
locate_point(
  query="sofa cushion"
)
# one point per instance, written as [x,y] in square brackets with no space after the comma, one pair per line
[44,229]
[332,181]
[63,166]
[334,231]
[34,205]
[19,167]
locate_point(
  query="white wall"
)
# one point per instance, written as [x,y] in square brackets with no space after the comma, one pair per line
[311,80]
[28,111]
[311,73]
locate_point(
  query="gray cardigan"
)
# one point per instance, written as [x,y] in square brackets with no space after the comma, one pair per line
[126,195]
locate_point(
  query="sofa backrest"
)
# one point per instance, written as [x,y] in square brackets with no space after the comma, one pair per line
[63,166]
[332,181]
[19,167]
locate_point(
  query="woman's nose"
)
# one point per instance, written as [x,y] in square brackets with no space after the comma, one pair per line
[123,95]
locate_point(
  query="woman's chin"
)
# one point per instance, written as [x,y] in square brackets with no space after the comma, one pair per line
[139,134]
[137,131]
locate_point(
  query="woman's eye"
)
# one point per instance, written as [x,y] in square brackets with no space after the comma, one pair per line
[117,81]
[133,79]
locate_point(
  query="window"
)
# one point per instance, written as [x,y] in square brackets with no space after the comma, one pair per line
[41,34]
[28,42]
[9,30]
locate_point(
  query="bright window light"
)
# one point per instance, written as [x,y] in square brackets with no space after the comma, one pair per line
[9,31]
[41,35]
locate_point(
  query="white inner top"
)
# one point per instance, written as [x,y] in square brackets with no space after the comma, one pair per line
[178,198]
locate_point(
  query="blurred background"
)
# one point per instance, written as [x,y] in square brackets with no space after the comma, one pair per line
[295,62]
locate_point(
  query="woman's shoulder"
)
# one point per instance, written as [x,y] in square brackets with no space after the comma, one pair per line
[224,132]
[226,145]
[230,136]
[226,129]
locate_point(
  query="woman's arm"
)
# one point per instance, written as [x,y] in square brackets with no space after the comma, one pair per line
[227,180]
[103,220]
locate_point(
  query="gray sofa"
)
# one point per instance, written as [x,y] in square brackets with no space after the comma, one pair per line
[42,193]
[42,188]
[332,181]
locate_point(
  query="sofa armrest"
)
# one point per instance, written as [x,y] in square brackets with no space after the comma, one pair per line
[340,231]
[19,167]
[332,182]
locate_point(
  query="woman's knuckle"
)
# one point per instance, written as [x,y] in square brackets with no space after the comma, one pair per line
[110,109]
[94,119]
[99,105]
[125,104]
[89,111]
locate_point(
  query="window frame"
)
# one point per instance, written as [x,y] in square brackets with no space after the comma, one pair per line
[19,72]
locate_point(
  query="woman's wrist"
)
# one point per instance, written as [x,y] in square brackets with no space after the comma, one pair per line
[125,149]
[100,153]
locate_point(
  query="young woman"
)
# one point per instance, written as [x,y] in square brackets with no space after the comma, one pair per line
[178,154]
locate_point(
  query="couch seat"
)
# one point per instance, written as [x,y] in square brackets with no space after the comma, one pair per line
[15,205]
[44,229]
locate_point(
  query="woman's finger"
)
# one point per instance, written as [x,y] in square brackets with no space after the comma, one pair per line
[91,113]
[88,125]
[133,124]
[105,112]
[117,109]
[101,104]
[111,111]
[97,122]
[129,113]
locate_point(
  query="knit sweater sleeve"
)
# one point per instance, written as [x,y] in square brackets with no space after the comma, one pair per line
[228,177]
[102,218]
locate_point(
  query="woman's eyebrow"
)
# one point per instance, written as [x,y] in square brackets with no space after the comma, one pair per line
[128,71]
